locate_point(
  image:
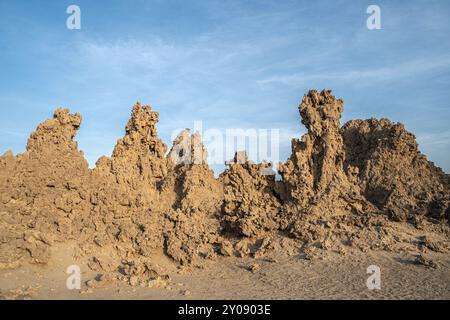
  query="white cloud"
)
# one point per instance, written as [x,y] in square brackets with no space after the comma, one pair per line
[434,139]
[401,70]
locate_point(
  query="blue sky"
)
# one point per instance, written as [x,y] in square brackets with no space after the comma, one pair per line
[231,64]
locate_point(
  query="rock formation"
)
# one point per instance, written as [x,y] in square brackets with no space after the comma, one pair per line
[196,201]
[341,187]
[392,172]
[251,206]
[315,187]
[42,191]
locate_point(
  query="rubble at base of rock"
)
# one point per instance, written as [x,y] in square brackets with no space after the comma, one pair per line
[355,186]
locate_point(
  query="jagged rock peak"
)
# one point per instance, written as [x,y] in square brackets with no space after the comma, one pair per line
[141,135]
[188,149]
[56,132]
[321,112]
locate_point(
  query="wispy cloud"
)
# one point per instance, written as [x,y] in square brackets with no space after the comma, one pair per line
[436,147]
[13,133]
[379,74]
[438,139]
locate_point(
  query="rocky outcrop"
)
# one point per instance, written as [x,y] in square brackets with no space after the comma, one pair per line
[392,173]
[126,206]
[42,191]
[252,206]
[315,185]
[339,188]
[196,201]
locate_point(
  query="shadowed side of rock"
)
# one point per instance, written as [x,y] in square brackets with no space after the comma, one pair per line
[316,189]
[252,207]
[393,174]
[196,198]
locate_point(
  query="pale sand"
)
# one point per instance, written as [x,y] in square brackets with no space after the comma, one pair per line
[279,277]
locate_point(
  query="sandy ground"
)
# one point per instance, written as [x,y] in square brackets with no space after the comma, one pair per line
[278,277]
